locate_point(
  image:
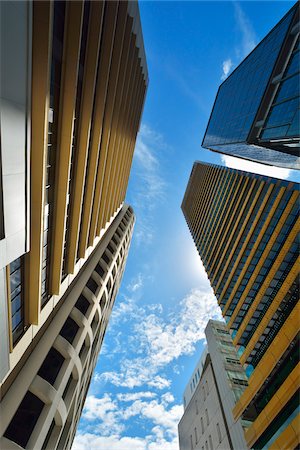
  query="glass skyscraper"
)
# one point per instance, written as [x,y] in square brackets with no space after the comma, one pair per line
[256,112]
[246,230]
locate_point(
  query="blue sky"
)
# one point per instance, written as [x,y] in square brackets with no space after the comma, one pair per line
[156,332]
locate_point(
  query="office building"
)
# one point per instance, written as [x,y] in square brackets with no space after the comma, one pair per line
[73,83]
[246,230]
[256,111]
[216,384]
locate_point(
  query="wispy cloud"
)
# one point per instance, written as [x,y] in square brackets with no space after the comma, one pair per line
[227,64]
[148,185]
[250,166]
[136,283]
[247,40]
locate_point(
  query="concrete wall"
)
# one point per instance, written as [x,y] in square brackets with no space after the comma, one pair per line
[204,403]
[226,391]
[15,74]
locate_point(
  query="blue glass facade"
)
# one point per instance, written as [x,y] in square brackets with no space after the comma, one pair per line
[283,119]
[247,91]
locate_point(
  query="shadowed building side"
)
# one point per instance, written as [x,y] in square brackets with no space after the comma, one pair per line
[73,84]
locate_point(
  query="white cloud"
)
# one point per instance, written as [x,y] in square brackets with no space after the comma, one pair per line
[136,283]
[247,42]
[89,441]
[109,418]
[161,341]
[103,409]
[135,396]
[250,166]
[227,64]
[167,398]
[249,38]
[149,186]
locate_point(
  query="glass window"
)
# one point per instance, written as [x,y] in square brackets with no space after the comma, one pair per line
[82,304]
[69,330]
[51,366]
[24,420]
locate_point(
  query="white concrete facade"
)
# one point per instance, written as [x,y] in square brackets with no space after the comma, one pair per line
[15,93]
[57,398]
[207,422]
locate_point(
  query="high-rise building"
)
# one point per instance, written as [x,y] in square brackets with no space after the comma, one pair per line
[256,111]
[246,230]
[73,83]
[216,384]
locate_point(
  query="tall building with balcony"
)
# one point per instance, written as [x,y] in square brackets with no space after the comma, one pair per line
[256,111]
[246,230]
[73,84]
[217,383]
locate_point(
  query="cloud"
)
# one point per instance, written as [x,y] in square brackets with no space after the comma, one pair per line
[103,409]
[89,441]
[108,418]
[227,64]
[162,341]
[148,188]
[250,166]
[135,396]
[249,39]
[136,283]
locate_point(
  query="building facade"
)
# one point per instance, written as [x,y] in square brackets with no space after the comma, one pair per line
[256,111]
[246,230]
[217,383]
[73,84]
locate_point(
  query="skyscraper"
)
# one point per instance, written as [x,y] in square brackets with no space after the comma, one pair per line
[73,83]
[216,384]
[256,111]
[245,227]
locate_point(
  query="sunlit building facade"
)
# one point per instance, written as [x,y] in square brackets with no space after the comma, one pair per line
[216,384]
[73,84]
[246,230]
[256,111]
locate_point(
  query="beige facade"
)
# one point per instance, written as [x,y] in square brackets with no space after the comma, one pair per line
[73,84]
[246,230]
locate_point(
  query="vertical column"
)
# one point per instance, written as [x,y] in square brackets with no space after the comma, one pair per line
[85,122]
[65,135]
[41,55]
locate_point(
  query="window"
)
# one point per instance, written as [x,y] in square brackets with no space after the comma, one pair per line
[82,304]
[210,442]
[92,285]
[105,258]
[102,302]
[191,439]
[219,433]
[206,445]
[51,366]
[202,425]
[207,418]
[207,387]
[196,404]
[16,298]
[203,391]
[99,270]
[24,420]
[196,435]
[69,330]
